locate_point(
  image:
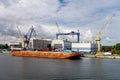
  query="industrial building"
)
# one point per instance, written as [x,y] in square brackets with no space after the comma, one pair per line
[47,44]
[15,46]
[85,47]
[63,44]
[40,44]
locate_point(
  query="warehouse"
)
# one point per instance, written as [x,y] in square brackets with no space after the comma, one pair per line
[63,44]
[84,47]
[40,44]
[15,46]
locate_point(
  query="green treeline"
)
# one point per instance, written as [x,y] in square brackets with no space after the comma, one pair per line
[115,49]
[4,46]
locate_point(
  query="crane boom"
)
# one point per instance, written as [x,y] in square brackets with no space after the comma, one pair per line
[58,27]
[106,26]
[29,36]
[19,31]
[100,34]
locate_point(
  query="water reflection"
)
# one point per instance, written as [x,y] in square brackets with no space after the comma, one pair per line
[25,68]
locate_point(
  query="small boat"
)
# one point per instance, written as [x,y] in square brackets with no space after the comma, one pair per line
[47,54]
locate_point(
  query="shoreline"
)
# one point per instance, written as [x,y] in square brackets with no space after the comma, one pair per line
[108,57]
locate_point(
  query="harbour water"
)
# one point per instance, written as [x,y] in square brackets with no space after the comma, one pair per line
[28,68]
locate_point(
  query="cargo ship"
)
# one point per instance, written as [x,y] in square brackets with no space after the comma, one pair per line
[47,54]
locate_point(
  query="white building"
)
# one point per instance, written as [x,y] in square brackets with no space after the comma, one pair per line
[61,44]
[15,46]
[84,47]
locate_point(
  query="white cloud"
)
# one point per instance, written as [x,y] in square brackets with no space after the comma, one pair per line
[88,16]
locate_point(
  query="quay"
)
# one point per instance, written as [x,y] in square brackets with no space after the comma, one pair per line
[94,56]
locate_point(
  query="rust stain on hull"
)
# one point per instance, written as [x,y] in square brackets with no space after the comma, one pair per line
[45,54]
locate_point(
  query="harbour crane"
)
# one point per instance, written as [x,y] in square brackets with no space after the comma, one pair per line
[100,35]
[26,37]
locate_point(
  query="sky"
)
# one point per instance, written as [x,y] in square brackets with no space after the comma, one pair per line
[87,16]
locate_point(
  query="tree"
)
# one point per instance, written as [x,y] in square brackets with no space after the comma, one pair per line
[117,46]
[116,49]
[4,46]
[107,48]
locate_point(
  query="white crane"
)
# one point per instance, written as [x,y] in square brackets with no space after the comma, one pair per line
[59,30]
[58,27]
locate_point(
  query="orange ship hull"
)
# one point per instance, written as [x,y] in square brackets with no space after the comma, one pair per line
[45,54]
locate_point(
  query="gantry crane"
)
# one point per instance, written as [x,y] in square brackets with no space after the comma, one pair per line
[71,33]
[99,37]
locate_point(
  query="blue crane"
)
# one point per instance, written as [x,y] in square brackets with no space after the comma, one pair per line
[28,36]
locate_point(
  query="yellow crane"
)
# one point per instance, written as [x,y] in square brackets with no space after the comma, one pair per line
[100,34]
